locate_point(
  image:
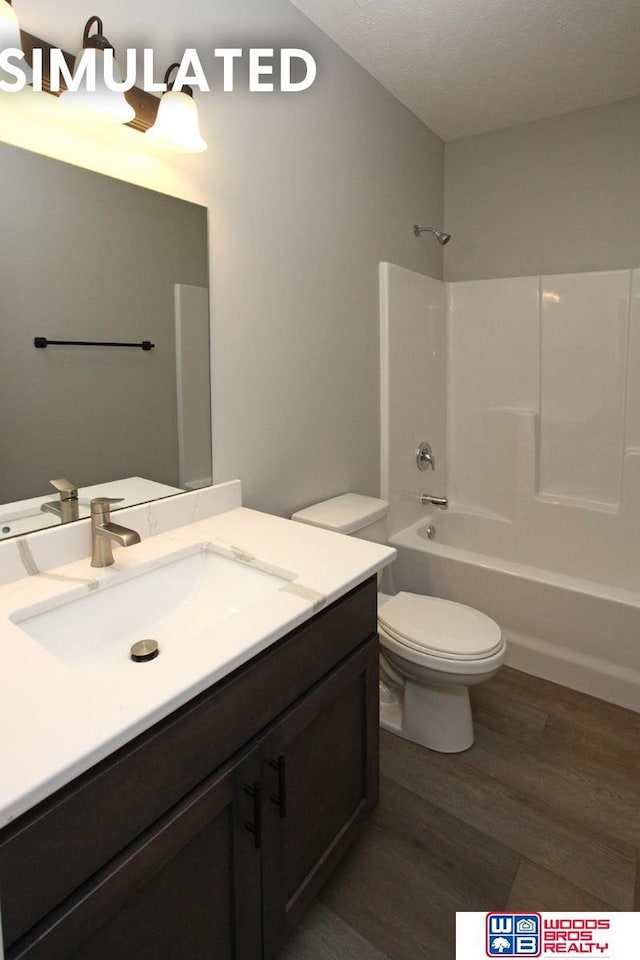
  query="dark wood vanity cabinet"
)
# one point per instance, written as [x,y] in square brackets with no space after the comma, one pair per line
[320,769]
[208,836]
[188,887]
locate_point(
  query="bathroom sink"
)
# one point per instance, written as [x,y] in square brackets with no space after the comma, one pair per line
[16,522]
[171,603]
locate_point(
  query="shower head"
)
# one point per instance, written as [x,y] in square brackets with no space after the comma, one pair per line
[442,238]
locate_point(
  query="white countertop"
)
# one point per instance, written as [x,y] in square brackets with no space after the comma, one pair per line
[56,723]
[24,516]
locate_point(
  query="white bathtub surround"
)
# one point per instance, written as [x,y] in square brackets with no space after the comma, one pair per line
[583,380]
[544,394]
[493,382]
[57,720]
[539,393]
[413,387]
[543,447]
[548,448]
[192,384]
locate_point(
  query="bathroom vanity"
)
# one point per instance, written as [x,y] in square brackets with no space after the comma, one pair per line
[208,833]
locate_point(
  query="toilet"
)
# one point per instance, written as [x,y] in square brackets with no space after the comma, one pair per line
[431,650]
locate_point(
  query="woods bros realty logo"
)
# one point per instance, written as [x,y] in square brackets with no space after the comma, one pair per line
[531,935]
[548,935]
[287,70]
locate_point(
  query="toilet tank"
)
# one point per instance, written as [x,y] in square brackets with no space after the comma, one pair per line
[351,513]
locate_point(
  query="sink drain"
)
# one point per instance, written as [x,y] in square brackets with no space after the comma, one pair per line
[144,650]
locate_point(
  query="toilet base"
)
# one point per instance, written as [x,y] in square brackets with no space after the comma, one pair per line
[438,718]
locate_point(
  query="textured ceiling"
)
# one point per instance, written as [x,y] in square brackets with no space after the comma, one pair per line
[467,66]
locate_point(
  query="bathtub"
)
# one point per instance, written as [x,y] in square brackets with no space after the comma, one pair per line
[581,631]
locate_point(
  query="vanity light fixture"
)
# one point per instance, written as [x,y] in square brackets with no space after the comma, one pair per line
[171,122]
[10,35]
[102,104]
[177,125]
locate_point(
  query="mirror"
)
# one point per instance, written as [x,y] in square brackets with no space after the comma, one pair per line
[88,258]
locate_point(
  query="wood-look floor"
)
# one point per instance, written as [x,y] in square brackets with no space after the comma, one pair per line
[542,813]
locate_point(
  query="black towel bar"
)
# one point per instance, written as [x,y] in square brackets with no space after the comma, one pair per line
[42,343]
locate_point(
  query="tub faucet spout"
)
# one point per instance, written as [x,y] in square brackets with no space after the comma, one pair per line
[441,502]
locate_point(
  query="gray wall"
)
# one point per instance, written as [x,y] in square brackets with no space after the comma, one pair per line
[556,196]
[88,257]
[311,193]
[306,194]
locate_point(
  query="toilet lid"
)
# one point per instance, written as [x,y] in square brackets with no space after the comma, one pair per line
[440,627]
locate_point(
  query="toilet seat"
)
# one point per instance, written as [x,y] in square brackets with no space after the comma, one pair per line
[440,628]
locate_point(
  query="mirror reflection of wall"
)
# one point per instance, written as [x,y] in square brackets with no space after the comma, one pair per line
[86,257]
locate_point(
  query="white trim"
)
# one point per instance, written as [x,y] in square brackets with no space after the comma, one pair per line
[384,380]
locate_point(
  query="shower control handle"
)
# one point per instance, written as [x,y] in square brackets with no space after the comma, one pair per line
[424,457]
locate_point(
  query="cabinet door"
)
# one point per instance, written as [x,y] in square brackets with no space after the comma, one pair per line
[320,779]
[189,887]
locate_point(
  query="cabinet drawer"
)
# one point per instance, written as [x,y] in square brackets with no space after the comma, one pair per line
[53,849]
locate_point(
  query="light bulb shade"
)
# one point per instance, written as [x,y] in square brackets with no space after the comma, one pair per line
[177,126]
[10,39]
[102,104]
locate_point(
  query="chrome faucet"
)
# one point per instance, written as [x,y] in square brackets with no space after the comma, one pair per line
[104,532]
[425,457]
[426,498]
[66,508]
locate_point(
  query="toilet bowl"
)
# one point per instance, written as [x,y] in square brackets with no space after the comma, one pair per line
[431,650]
